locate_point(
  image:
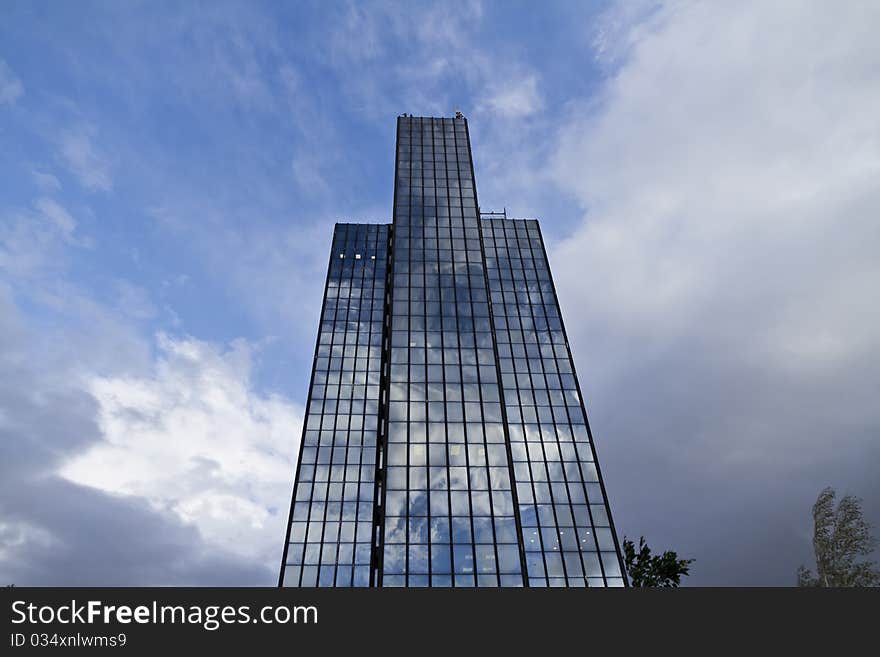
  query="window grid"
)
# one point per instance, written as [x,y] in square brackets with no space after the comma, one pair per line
[443,529]
[445,441]
[329,536]
[562,513]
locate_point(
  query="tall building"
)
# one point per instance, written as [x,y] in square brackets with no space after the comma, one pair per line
[446,441]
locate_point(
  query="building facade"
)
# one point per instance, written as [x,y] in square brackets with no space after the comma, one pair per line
[446,441]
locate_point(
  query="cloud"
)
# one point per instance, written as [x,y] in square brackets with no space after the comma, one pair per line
[53,532]
[175,476]
[256,256]
[56,533]
[306,170]
[716,278]
[34,242]
[720,289]
[195,441]
[616,31]
[238,66]
[515,99]
[11,88]
[422,59]
[133,301]
[118,467]
[84,160]
[356,37]
[47,182]
[58,216]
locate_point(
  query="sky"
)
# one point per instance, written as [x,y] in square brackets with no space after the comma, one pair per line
[705,175]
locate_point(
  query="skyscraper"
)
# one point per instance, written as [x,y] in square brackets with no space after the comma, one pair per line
[446,441]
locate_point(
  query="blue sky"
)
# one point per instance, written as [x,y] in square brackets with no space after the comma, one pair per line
[170,173]
[179,134]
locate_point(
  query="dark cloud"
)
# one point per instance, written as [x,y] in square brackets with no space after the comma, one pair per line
[62,534]
[719,291]
[724,463]
[54,532]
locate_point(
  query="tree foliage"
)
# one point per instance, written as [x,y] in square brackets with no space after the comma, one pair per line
[841,540]
[647,570]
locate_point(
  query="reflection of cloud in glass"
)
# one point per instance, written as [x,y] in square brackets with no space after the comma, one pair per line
[395,559]
[440,530]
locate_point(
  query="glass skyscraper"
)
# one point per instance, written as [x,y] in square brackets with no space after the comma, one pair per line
[446,441]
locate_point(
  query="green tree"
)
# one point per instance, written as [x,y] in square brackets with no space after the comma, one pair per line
[841,538]
[644,570]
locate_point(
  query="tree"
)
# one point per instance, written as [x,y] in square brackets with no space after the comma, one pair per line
[841,537]
[644,570]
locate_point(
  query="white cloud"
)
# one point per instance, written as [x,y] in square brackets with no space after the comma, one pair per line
[616,31]
[239,68]
[84,160]
[11,88]
[719,175]
[57,215]
[179,473]
[356,36]
[306,170]
[33,242]
[134,301]
[515,98]
[194,439]
[46,181]
[413,58]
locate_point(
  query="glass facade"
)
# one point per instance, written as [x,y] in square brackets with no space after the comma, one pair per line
[448,501]
[566,526]
[331,519]
[446,442]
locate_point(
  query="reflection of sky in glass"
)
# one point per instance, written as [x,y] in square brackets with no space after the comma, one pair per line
[331,519]
[448,499]
[486,470]
[566,527]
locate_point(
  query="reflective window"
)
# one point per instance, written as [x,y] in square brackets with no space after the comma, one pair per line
[566,528]
[331,527]
[445,441]
[444,404]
